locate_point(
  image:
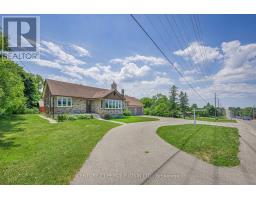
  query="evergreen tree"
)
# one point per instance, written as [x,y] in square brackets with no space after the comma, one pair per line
[173,101]
[183,103]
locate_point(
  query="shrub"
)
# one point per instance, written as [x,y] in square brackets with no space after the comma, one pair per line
[72,117]
[147,111]
[84,116]
[127,112]
[107,116]
[31,111]
[62,118]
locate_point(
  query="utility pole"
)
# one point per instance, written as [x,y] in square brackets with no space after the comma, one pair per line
[218,110]
[215,105]
[253,112]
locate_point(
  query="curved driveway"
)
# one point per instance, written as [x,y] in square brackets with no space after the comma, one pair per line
[134,154]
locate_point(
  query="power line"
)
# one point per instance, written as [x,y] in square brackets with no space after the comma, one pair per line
[166,57]
[179,40]
[186,43]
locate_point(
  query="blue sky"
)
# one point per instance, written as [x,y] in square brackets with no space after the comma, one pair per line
[216,53]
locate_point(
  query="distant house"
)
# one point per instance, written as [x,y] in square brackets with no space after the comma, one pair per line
[69,98]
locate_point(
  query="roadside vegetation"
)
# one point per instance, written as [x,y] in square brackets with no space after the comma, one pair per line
[33,151]
[177,105]
[214,144]
[20,91]
[212,119]
[134,119]
[243,113]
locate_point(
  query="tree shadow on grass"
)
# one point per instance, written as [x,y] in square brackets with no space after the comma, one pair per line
[9,125]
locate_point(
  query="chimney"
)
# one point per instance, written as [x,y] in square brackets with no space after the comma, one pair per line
[122,92]
[113,86]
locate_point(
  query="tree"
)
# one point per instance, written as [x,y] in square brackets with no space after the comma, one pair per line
[12,98]
[194,106]
[33,85]
[147,102]
[161,106]
[209,110]
[3,43]
[183,103]
[173,100]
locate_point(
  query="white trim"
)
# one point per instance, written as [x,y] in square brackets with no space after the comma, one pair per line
[67,99]
[114,102]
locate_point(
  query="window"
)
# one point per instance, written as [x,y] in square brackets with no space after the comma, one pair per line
[69,102]
[59,102]
[112,104]
[64,102]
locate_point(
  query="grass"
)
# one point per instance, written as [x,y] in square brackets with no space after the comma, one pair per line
[212,119]
[36,152]
[214,144]
[134,119]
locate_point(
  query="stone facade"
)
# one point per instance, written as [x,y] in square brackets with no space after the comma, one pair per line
[78,107]
[47,99]
[96,108]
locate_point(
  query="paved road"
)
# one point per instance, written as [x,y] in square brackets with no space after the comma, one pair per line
[134,154]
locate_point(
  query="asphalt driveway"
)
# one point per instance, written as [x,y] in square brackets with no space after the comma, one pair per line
[134,154]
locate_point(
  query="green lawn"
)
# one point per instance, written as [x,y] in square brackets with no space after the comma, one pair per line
[32,151]
[212,119]
[133,119]
[214,144]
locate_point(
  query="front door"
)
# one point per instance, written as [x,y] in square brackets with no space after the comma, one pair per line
[88,106]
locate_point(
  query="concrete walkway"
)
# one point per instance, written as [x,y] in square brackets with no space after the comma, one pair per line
[134,154]
[50,120]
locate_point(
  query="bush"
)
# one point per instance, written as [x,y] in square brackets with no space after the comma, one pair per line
[127,112]
[31,111]
[107,116]
[147,111]
[72,117]
[84,116]
[64,117]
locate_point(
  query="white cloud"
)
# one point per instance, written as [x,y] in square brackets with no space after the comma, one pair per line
[236,73]
[58,52]
[148,88]
[150,60]
[199,53]
[105,73]
[81,50]
[158,81]
[239,63]
[47,63]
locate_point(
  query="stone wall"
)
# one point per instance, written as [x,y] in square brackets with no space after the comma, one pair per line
[96,108]
[47,101]
[78,107]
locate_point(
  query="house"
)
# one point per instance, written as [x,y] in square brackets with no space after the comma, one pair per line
[69,98]
[134,105]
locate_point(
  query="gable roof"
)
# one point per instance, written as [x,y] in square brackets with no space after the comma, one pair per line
[132,101]
[59,88]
